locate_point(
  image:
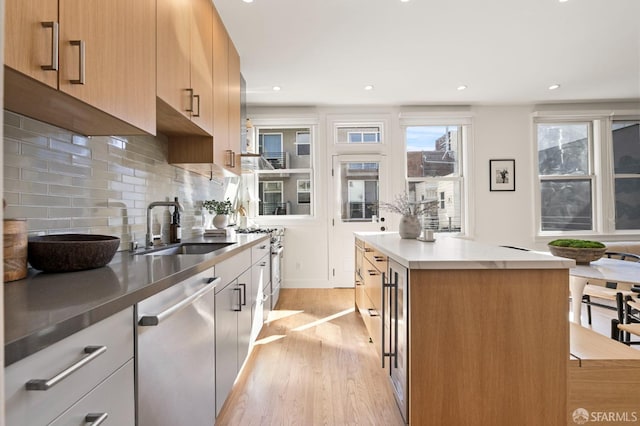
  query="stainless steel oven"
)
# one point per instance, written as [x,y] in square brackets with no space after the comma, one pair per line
[272,291]
[277,258]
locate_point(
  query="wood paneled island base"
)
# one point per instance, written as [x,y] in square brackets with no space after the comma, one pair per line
[488,347]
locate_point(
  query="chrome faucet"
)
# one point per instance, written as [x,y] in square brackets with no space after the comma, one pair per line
[149,236]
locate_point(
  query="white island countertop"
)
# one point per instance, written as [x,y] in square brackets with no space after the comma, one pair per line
[457,253]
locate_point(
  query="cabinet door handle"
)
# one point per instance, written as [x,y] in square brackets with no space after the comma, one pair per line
[152,320]
[196,114]
[384,354]
[229,154]
[190,109]
[95,419]
[239,300]
[92,352]
[55,39]
[81,61]
[244,293]
[233,159]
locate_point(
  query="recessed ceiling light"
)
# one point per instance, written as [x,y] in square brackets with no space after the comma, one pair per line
[462,87]
[248,1]
[561,1]
[404,1]
[276,88]
[554,87]
[368,87]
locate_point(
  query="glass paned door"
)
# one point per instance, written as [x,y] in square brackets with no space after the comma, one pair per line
[358,184]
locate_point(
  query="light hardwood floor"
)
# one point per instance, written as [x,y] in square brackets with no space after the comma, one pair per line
[313,366]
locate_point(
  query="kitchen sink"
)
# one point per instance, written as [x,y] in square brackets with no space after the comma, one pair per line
[188,248]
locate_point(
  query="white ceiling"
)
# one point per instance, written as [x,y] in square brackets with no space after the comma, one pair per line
[323,52]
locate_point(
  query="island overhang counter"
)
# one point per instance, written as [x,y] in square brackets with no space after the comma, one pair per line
[480,332]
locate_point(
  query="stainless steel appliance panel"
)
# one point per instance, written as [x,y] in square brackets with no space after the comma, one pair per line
[175,354]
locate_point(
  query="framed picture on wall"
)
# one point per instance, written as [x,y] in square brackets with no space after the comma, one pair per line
[502,175]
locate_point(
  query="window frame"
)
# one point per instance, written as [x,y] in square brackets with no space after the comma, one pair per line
[589,176]
[602,172]
[304,191]
[272,125]
[299,144]
[464,123]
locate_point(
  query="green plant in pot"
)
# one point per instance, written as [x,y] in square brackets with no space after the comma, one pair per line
[222,210]
[582,251]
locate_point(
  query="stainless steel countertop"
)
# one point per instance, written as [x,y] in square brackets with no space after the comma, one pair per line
[44,308]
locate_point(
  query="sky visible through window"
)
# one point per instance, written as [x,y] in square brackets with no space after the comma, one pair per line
[423,138]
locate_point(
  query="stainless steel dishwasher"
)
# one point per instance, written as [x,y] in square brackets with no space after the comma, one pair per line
[175,354]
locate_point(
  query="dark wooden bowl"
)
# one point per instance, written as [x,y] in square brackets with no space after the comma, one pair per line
[71,252]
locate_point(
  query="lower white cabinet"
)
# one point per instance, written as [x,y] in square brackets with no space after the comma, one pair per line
[112,400]
[233,333]
[41,387]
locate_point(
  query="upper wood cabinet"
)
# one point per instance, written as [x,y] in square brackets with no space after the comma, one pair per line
[99,55]
[221,154]
[226,99]
[185,67]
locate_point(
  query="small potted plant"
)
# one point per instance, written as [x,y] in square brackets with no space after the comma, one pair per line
[222,210]
[582,251]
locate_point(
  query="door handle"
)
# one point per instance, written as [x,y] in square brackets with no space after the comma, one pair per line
[55,39]
[81,61]
[152,320]
[92,352]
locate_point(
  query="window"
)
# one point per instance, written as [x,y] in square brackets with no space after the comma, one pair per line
[270,146]
[304,191]
[359,134]
[287,188]
[271,202]
[588,174]
[303,145]
[626,168]
[362,199]
[566,177]
[434,174]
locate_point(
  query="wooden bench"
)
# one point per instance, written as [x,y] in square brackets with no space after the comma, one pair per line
[603,374]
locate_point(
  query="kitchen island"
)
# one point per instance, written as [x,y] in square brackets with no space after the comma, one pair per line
[471,333]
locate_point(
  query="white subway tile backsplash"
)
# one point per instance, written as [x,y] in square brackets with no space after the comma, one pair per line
[48,130]
[24,136]
[12,119]
[63,182]
[70,148]
[45,200]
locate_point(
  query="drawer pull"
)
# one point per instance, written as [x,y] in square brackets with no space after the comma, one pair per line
[153,320]
[372,312]
[372,272]
[380,258]
[92,352]
[95,419]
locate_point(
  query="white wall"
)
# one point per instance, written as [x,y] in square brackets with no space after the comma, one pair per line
[501,217]
[498,132]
